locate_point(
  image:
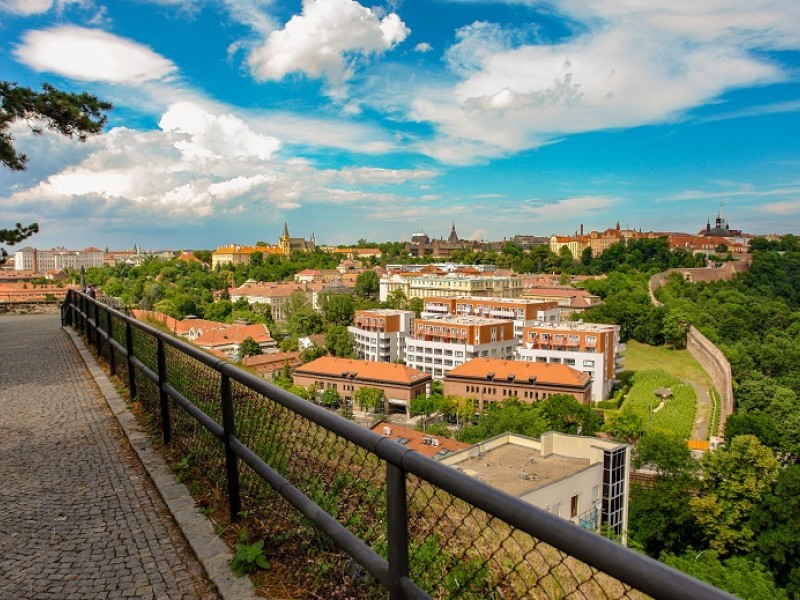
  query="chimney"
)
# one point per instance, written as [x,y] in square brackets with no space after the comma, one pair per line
[581,229]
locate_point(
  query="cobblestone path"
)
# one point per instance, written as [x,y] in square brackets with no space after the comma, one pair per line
[79,518]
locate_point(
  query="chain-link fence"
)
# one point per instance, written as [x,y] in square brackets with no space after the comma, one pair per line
[352,509]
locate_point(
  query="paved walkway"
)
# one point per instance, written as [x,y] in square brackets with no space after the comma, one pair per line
[79,517]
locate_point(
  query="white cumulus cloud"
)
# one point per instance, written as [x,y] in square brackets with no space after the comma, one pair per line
[322,41]
[91,55]
[201,134]
[631,64]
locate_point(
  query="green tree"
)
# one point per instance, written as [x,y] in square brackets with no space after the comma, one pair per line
[313,352]
[249,347]
[625,425]
[665,453]
[73,115]
[340,342]
[738,575]
[428,405]
[370,398]
[337,309]
[77,115]
[509,416]
[735,478]
[659,517]
[367,284]
[567,415]
[776,521]
[331,398]
[676,328]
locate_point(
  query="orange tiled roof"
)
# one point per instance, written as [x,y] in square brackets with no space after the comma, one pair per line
[234,334]
[263,362]
[545,373]
[416,439]
[333,366]
[185,325]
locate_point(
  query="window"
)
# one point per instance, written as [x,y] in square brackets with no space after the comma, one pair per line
[588,363]
[573,507]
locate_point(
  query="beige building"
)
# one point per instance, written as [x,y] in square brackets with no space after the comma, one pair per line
[592,348]
[451,285]
[488,381]
[441,344]
[583,479]
[380,335]
[400,384]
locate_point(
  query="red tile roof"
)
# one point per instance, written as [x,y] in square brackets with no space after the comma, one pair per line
[333,366]
[545,373]
[234,334]
[419,440]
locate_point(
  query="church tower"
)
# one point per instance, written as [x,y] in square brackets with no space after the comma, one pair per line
[285,243]
[453,239]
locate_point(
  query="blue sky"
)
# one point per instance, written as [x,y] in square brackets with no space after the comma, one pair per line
[379,120]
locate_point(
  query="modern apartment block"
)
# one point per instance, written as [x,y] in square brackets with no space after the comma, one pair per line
[440,344]
[487,381]
[380,335]
[57,259]
[520,311]
[451,285]
[589,347]
[583,479]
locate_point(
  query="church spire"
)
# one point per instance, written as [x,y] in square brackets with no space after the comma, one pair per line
[453,239]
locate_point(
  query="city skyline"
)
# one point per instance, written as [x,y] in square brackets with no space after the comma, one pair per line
[360,121]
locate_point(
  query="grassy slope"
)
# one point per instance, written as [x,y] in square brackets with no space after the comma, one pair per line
[681,364]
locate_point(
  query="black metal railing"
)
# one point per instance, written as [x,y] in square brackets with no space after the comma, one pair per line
[419,528]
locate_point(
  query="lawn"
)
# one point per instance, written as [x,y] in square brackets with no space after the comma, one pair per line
[681,364]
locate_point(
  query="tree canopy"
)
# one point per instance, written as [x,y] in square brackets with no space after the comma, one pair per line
[75,115]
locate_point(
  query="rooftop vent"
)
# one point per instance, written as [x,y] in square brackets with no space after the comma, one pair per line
[387,431]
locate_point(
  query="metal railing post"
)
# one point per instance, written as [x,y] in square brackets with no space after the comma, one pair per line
[98,339]
[166,428]
[397,515]
[231,460]
[112,362]
[129,351]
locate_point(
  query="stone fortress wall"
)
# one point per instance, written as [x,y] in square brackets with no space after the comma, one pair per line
[699,346]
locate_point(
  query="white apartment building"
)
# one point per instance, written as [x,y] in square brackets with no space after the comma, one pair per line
[440,344]
[380,335]
[520,311]
[57,259]
[450,285]
[589,347]
[580,478]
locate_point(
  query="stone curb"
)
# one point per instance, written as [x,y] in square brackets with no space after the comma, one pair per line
[209,549]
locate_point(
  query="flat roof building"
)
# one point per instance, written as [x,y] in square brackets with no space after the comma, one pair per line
[380,334]
[440,344]
[583,479]
[592,348]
